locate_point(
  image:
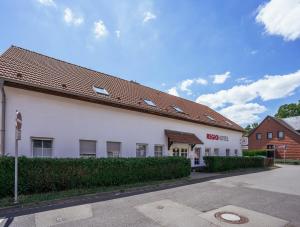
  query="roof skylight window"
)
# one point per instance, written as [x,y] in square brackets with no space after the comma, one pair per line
[210,118]
[101,91]
[178,109]
[149,102]
[228,122]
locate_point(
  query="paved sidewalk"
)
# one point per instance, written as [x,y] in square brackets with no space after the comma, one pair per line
[195,177]
[243,194]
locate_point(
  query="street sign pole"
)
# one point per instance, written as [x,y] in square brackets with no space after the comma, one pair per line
[16,169]
[18,137]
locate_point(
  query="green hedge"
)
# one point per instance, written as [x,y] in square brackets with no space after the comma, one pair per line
[288,161]
[218,163]
[255,153]
[37,175]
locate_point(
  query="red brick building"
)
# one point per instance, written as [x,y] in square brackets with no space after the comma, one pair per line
[279,135]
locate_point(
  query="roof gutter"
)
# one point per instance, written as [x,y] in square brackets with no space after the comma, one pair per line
[3,109]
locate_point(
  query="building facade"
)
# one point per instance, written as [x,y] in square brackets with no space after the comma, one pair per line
[70,111]
[282,136]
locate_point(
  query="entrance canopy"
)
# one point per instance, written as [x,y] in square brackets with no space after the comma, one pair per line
[182,137]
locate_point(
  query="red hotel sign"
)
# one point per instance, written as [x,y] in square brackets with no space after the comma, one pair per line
[216,137]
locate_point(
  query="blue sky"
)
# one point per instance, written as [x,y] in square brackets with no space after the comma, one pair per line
[243,60]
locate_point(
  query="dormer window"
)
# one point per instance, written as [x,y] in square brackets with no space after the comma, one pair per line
[149,102]
[210,118]
[100,90]
[179,110]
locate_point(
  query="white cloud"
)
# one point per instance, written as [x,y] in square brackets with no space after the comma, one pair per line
[243,80]
[148,16]
[100,29]
[71,19]
[173,91]
[201,81]
[118,33]
[244,113]
[267,88]
[281,17]
[221,78]
[186,84]
[47,2]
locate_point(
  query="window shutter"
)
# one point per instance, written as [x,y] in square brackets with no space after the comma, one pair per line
[87,147]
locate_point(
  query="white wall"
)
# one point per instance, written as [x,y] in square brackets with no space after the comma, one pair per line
[68,121]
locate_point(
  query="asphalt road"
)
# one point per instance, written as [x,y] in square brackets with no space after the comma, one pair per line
[269,198]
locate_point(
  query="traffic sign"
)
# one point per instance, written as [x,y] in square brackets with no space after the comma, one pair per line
[18,120]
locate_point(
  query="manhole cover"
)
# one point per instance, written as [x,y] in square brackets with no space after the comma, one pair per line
[231,217]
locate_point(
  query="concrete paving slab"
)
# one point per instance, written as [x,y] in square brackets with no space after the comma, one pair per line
[172,214]
[61,216]
[277,180]
[255,219]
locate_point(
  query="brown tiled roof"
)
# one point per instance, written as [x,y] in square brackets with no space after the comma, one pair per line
[30,70]
[182,137]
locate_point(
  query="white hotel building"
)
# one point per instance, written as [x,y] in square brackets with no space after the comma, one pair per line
[72,111]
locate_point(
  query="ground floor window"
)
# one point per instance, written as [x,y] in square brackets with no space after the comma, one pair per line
[176,151]
[216,152]
[184,152]
[158,150]
[87,148]
[197,156]
[227,152]
[207,151]
[42,147]
[236,152]
[141,150]
[113,149]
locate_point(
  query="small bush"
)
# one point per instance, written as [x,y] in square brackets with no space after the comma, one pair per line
[218,163]
[252,153]
[37,175]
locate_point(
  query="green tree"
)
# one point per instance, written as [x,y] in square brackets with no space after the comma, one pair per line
[288,110]
[249,128]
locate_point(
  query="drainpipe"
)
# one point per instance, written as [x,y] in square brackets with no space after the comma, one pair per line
[3,105]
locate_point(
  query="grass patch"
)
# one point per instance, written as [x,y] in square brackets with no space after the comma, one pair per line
[50,196]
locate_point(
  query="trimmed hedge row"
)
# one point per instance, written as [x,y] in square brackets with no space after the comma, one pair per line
[218,163]
[255,153]
[37,175]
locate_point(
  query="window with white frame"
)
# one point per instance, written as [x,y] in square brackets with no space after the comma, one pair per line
[207,151]
[197,156]
[236,152]
[42,147]
[87,148]
[227,152]
[280,134]
[269,135]
[158,150]
[100,90]
[184,152]
[258,136]
[141,150]
[176,151]
[149,102]
[113,149]
[216,151]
